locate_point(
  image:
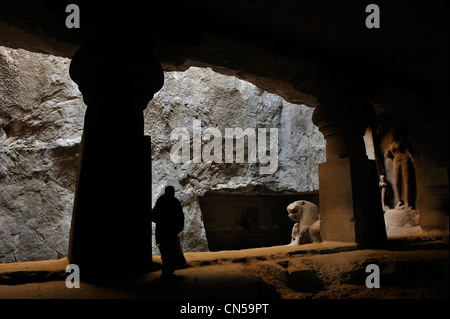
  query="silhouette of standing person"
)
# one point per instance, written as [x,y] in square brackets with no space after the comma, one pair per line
[169,218]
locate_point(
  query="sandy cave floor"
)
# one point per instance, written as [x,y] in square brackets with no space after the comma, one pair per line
[410,267]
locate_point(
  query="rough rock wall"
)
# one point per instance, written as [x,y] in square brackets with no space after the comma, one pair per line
[220,101]
[41,120]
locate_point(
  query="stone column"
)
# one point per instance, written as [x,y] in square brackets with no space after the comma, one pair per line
[111,228]
[350,206]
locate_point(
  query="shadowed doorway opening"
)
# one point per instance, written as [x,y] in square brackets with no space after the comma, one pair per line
[240,221]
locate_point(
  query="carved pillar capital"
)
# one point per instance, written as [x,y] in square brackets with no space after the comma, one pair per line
[105,73]
[342,116]
[343,121]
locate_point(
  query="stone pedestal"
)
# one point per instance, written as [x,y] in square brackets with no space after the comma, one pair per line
[111,227]
[350,204]
[402,221]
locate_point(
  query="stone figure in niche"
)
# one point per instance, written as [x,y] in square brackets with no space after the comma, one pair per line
[403,164]
[169,218]
[307,223]
[384,189]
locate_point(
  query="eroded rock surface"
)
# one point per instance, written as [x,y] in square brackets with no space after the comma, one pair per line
[41,120]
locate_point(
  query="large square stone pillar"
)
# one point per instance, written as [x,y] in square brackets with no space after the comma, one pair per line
[347,196]
[350,204]
[111,227]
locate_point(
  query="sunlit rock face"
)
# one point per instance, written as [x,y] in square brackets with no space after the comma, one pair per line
[41,123]
[224,102]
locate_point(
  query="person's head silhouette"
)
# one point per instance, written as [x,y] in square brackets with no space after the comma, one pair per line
[169,191]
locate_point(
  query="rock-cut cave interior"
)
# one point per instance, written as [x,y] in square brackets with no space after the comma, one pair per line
[296,138]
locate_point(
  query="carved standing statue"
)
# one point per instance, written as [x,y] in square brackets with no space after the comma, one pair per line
[384,193]
[403,163]
[307,226]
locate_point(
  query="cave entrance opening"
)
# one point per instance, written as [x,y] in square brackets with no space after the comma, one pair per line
[240,221]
